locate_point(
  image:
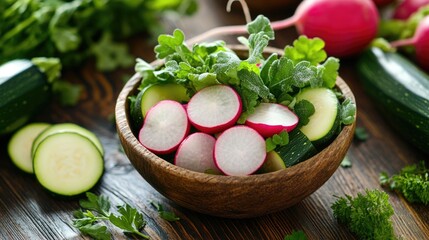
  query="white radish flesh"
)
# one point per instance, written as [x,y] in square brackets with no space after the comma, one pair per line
[272,118]
[239,151]
[214,109]
[196,153]
[165,126]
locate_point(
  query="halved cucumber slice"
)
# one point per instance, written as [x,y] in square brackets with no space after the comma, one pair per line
[68,163]
[67,127]
[19,146]
[325,121]
[273,162]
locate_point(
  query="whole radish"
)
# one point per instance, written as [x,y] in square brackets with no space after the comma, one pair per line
[347,27]
[407,7]
[420,41]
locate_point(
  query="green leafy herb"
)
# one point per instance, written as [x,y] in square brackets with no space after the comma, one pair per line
[361,134]
[280,139]
[77,30]
[166,215]
[296,235]
[366,215]
[96,209]
[305,49]
[348,111]
[304,110]
[412,181]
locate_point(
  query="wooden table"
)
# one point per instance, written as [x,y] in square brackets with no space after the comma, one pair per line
[29,212]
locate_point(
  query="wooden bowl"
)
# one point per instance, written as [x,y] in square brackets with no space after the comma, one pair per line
[231,196]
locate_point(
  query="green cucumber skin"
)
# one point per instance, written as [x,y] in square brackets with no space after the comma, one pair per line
[298,149]
[22,94]
[401,93]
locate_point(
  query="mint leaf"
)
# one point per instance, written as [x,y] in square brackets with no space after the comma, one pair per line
[257,44]
[265,68]
[306,49]
[280,76]
[347,111]
[304,110]
[251,81]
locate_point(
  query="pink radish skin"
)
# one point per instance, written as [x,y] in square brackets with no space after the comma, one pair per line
[196,153]
[346,26]
[214,108]
[420,41]
[382,3]
[165,126]
[239,151]
[407,7]
[272,118]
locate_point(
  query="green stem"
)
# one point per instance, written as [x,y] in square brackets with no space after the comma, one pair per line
[17,29]
[141,234]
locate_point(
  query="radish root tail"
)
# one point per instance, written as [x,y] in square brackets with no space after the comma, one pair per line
[244,6]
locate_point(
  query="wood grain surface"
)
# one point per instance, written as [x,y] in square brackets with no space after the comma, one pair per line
[29,212]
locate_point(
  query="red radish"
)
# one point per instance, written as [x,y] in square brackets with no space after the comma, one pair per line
[420,41]
[407,7]
[239,151]
[272,118]
[196,153]
[382,3]
[165,126]
[346,26]
[214,108]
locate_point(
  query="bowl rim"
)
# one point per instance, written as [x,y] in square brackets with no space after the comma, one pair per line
[123,128]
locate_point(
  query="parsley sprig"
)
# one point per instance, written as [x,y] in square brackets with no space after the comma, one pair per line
[367,215]
[412,181]
[96,209]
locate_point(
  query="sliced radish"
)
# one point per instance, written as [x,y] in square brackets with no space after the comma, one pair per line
[165,126]
[272,118]
[214,109]
[196,153]
[239,151]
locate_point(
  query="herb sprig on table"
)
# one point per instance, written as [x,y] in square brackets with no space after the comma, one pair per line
[97,209]
[367,215]
[412,182]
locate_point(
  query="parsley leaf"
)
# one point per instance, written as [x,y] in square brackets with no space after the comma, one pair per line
[129,220]
[99,204]
[166,215]
[296,235]
[366,215]
[328,72]
[306,49]
[97,208]
[412,181]
[304,110]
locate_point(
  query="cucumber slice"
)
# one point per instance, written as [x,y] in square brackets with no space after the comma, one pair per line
[298,149]
[19,146]
[325,121]
[68,163]
[156,93]
[273,162]
[67,127]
